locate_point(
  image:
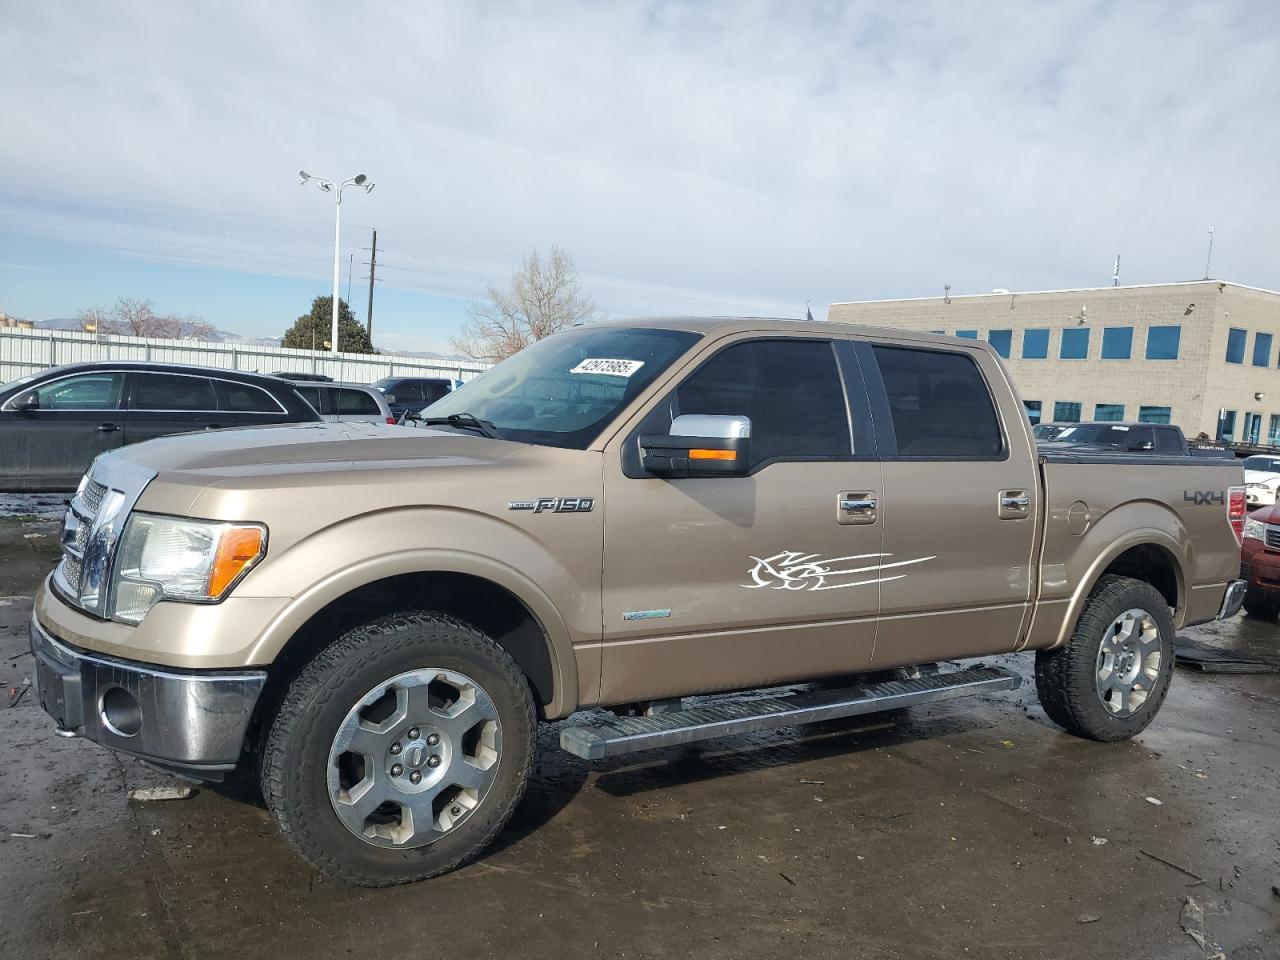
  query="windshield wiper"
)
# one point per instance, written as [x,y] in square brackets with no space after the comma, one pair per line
[460,421]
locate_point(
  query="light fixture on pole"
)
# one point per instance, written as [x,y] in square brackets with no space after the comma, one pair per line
[328,186]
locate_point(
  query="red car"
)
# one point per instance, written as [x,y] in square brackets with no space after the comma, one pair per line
[1260,562]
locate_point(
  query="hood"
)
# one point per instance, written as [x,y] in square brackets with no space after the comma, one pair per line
[312,448]
[1260,476]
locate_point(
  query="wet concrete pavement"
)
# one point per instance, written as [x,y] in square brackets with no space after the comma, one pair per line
[971,829]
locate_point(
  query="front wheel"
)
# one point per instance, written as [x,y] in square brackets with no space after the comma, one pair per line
[1110,679]
[400,751]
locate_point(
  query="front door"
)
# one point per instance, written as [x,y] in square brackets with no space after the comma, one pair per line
[960,504]
[52,445]
[717,583]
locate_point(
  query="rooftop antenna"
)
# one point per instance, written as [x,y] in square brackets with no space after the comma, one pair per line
[1209,259]
[1115,273]
[946,293]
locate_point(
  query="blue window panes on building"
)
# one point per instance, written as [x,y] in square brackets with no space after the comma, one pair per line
[1154,414]
[1262,349]
[1117,343]
[1108,411]
[1002,340]
[1162,343]
[1064,411]
[1227,425]
[967,334]
[1235,345]
[1035,343]
[1033,410]
[1075,344]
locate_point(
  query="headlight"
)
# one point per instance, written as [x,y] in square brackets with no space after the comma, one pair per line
[1255,530]
[170,558]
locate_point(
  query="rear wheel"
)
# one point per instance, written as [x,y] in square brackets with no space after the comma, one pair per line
[1110,679]
[400,751]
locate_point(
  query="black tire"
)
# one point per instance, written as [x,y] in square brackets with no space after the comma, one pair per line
[1066,677]
[1259,605]
[295,756]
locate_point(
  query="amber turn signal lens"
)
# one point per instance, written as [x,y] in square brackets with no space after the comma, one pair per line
[238,548]
[713,455]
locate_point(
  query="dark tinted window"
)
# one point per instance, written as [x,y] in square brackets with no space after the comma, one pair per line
[357,403]
[1117,343]
[1162,342]
[789,388]
[1075,345]
[166,391]
[433,390]
[1167,441]
[1066,411]
[316,396]
[1262,349]
[1235,345]
[1155,414]
[1001,340]
[88,391]
[244,398]
[940,404]
[1035,344]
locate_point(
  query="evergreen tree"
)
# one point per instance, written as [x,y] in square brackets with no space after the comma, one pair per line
[313,330]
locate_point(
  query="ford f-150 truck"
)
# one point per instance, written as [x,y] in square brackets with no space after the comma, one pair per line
[373,620]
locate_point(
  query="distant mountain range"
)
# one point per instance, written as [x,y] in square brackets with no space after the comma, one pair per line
[226,336]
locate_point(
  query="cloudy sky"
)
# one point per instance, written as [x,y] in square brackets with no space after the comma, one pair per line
[692,157]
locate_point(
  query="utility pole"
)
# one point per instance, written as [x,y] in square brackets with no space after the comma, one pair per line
[328,186]
[351,260]
[373,268]
[1209,258]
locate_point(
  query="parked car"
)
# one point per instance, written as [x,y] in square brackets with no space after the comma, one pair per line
[1260,562]
[1153,439]
[1049,431]
[52,424]
[343,402]
[384,616]
[306,377]
[1261,478]
[411,394]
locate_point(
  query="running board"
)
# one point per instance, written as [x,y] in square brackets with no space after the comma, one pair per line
[726,717]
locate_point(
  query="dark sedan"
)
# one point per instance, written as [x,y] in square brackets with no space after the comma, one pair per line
[53,424]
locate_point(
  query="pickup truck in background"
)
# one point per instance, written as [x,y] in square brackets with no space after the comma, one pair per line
[1157,439]
[373,622]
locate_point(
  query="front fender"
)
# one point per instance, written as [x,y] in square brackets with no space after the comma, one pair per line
[332,562]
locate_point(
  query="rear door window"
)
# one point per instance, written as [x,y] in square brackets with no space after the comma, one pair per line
[940,405]
[356,403]
[166,391]
[1167,441]
[434,390]
[316,396]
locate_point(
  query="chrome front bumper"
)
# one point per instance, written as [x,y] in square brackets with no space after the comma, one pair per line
[194,723]
[1233,599]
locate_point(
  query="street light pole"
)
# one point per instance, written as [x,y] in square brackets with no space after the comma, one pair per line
[328,186]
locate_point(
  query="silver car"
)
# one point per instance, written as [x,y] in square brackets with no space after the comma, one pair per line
[341,402]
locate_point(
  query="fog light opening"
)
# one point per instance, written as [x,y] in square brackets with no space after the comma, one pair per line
[120,712]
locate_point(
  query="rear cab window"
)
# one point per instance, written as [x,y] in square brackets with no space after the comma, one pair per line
[939,404]
[356,403]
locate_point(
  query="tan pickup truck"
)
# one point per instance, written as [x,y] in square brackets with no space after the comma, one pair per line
[375,618]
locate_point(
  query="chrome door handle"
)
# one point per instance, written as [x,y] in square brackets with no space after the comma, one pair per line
[1015,503]
[857,505]
[108,427]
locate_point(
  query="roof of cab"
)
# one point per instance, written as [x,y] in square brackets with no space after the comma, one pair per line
[720,325]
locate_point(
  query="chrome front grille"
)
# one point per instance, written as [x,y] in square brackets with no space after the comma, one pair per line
[92,527]
[1273,537]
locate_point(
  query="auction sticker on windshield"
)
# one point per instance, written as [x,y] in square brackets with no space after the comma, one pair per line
[611,368]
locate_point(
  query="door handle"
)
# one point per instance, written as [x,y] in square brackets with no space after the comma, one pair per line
[108,427]
[857,505]
[1014,504]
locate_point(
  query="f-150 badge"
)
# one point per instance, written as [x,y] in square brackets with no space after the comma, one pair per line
[554,505]
[791,570]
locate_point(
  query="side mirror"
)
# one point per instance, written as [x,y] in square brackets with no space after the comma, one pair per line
[699,445]
[26,402]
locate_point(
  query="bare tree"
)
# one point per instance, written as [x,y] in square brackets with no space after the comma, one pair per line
[138,318]
[544,298]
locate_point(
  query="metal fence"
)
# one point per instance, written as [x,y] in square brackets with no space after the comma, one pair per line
[24,352]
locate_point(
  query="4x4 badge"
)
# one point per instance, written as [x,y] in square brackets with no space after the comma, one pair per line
[554,504]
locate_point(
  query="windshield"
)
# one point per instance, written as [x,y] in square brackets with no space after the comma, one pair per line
[562,391]
[385,384]
[1096,433]
[1269,464]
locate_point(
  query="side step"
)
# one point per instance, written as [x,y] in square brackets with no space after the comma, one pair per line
[723,718]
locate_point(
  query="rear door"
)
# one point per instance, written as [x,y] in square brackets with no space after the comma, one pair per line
[79,417]
[960,503]
[714,583]
[165,403]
